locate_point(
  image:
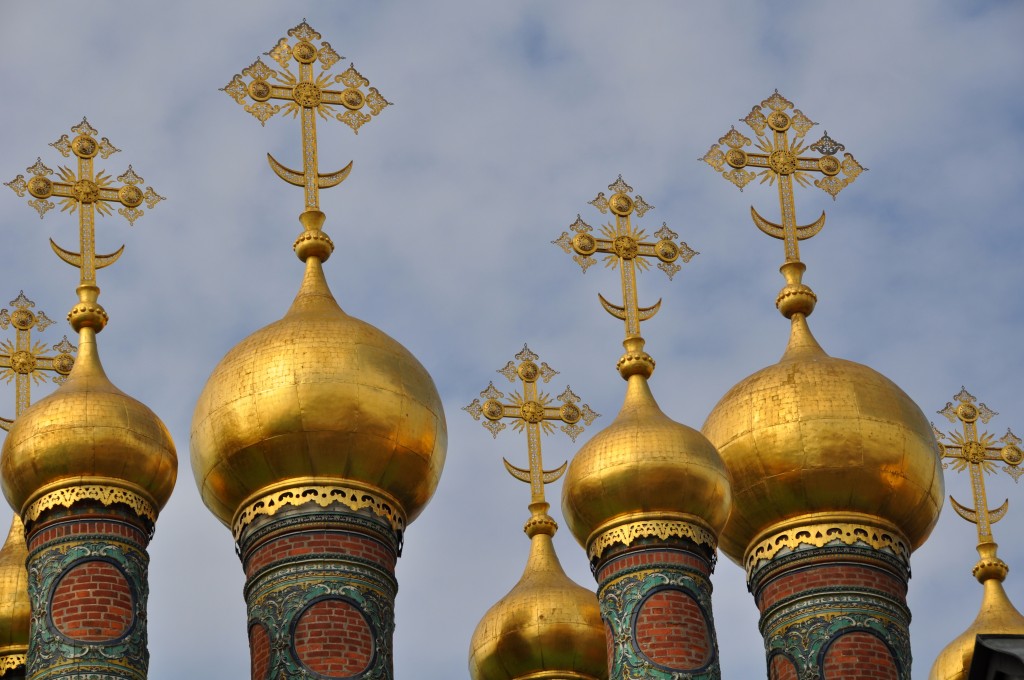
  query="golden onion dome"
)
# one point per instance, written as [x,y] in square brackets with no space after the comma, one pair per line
[818,436]
[644,467]
[317,398]
[14,603]
[88,433]
[547,626]
[997,616]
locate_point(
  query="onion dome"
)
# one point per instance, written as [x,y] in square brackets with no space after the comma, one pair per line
[14,603]
[316,399]
[546,627]
[644,468]
[88,439]
[997,616]
[816,439]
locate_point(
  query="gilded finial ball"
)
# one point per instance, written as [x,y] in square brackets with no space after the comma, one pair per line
[313,244]
[796,298]
[88,315]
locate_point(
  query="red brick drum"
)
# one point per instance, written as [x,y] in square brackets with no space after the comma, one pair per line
[93,603]
[333,639]
[671,631]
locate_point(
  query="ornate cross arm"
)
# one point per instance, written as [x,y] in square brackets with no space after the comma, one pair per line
[86,192]
[259,88]
[785,159]
[532,412]
[977,453]
[24,360]
[624,247]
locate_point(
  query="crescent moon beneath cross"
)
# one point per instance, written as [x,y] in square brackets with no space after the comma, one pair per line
[75,259]
[778,231]
[299,179]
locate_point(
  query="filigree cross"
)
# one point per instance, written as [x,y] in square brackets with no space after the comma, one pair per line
[784,159]
[533,412]
[624,247]
[978,454]
[308,94]
[23,360]
[87,193]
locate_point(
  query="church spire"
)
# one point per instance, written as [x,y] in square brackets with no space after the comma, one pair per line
[646,490]
[979,454]
[547,625]
[87,461]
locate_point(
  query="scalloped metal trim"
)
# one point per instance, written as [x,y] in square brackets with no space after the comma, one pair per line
[9,662]
[107,495]
[324,496]
[663,529]
[821,535]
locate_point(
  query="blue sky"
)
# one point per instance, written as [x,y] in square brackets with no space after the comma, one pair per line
[508,118]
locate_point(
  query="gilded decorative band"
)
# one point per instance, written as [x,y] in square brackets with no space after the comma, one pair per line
[9,662]
[820,535]
[351,497]
[107,495]
[629,532]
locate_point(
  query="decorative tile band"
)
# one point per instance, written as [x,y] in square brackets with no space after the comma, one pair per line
[107,495]
[627,534]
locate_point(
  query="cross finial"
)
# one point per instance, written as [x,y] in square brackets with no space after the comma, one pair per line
[86,192]
[784,159]
[24,360]
[264,92]
[531,411]
[978,453]
[623,247]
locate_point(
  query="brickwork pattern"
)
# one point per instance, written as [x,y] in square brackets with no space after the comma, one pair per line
[93,603]
[671,631]
[859,656]
[833,576]
[836,613]
[259,647]
[88,569]
[320,585]
[782,668]
[656,603]
[332,638]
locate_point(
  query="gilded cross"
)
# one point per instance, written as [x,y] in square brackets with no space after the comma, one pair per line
[784,159]
[86,193]
[533,412]
[978,454]
[624,247]
[24,360]
[309,94]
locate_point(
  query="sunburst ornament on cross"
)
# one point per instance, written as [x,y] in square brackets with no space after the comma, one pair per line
[979,454]
[264,92]
[24,361]
[623,247]
[533,412]
[785,159]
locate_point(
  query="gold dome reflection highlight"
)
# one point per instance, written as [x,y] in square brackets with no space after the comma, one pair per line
[14,603]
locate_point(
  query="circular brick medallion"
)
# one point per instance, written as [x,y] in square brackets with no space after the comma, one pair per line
[333,639]
[672,632]
[93,602]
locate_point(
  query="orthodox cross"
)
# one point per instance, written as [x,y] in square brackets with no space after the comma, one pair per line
[531,411]
[785,160]
[308,94]
[87,193]
[23,361]
[624,248]
[978,453]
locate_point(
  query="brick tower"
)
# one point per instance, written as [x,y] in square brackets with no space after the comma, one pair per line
[317,438]
[646,496]
[88,468]
[836,474]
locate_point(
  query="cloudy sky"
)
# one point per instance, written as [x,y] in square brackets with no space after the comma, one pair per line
[508,118]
